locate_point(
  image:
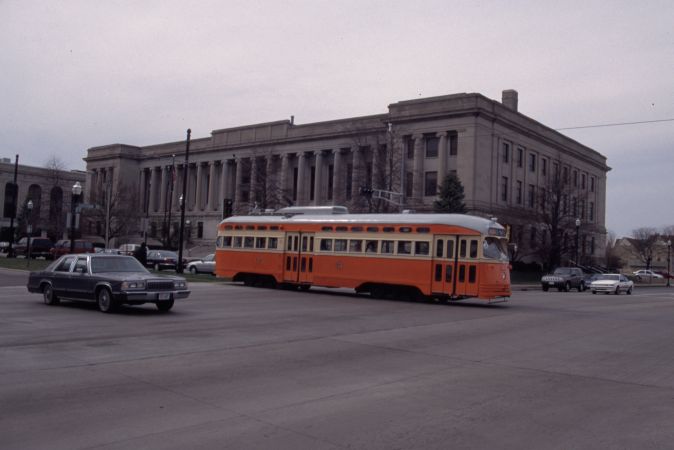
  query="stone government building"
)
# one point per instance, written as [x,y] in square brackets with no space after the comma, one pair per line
[502,157]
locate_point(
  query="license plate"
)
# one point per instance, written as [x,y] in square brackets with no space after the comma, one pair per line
[164,296]
[551,283]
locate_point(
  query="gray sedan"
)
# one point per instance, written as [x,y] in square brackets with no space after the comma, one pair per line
[204,265]
[108,280]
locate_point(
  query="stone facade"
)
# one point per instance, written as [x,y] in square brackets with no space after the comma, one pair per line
[407,150]
[48,189]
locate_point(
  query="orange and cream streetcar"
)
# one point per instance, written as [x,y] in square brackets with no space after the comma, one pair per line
[446,256]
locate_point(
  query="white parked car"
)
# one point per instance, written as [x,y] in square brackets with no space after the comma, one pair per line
[204,265]
[612,283]
[647,275]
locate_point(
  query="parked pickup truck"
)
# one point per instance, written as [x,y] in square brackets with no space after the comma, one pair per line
[564,279]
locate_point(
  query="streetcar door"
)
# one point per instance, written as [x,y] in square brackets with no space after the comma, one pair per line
[466,266]
[298,258]
[444,264]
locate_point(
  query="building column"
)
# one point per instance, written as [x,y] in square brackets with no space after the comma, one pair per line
[212,190]
[225,180]
[238,177]
[418,176]
[142,189]
[271,178]
[252,196]
[302,197]
[318,179]
[356,171]
[337,178]
[193,186]
[283,179]
[199,187]
[375,182]
[163,187]
[154,182]
[442,158]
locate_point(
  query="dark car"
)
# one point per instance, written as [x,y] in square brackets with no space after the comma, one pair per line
[39,247]
[108,280]
[162,259]
[564,279]
[62,247]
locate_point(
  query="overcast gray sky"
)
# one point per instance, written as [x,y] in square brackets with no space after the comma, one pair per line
[77,74]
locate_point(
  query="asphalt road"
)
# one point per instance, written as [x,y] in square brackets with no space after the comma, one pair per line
[247,368]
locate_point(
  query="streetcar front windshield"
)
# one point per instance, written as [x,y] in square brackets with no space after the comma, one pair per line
[495,248]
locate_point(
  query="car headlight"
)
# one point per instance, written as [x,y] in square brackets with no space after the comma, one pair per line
[128,285]
[180,284]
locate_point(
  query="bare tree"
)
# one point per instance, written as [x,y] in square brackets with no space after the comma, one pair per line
[121,215]
[644,240]
[613,260]
[53,200]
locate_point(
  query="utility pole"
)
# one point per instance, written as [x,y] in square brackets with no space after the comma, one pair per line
[15,199]
[182,204]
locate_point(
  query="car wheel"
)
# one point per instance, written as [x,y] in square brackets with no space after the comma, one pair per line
[629,291]
[567,287]
[545,288]
[193,270]
[617,290]
[165,306]
[156,267]
[638,277]
[594,292]
[581,286]
[105,301]
[48,295]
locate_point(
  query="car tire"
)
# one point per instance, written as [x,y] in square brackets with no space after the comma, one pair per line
[638,277]
[617,290]
[193,270]
[581,286]
[594,292]
[545,288]
[567,287]
[104,301]
[629,290]
[165,306]
[48,296]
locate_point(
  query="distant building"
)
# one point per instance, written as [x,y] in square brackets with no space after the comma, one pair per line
[502,157]
[48,189]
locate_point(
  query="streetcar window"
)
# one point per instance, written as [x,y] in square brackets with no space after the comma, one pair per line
[472,273]
[387,246]
[405,229]
[423,230]
[218,241]
[248,242]
[340,245]
[494,248]
[438,248]
[260,242]
[404,247]
[228,227]
[296,240]
[287,262]
[448,273]
[388,229]
[273,227]
[311,244]
[227,241]
[373,229]
[303,265]
[462,248]
[371,246]
[326,245]
[290,243]
[355,245]
[305,242]
[272,242]
[473,248]
[356,229]
[326,229]
[238,227]
[262,227]
[421,248]
[438,272]
[250,227]
[238,241]
[462,273]
[341,229]
[450,248]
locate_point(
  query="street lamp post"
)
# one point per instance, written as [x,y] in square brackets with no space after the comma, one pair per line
[669,261]
[76,191]
[29,228]
[183,199]
[577,239]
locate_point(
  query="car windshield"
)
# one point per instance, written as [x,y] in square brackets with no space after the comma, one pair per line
[101,264]
[562,271]
[609,277]
[495,248]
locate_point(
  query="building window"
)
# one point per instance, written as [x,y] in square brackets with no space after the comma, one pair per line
[544,166]
[531,196]
[200,230]
[431,184]
[409,184]
[582,209]
[409,147]
[506,152]
[555,168]
[331,174]
[565,175]
[504,189]
[582,181]
[532,236]
[518,193]
[592,245]
[431,146]
[574,202]
[591,184]
[453,144]
[575,178]
[312,183]
[520,157]
[543,197]
[591,212]
[532,162]
[349,180]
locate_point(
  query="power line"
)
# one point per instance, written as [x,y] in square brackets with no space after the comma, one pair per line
[614,124]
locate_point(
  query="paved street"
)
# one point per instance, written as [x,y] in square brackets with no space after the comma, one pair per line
[247,368]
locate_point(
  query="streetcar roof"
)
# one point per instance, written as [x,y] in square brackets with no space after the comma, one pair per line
[461,220]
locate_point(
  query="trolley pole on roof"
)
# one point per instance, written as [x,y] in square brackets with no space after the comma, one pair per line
[179,268]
